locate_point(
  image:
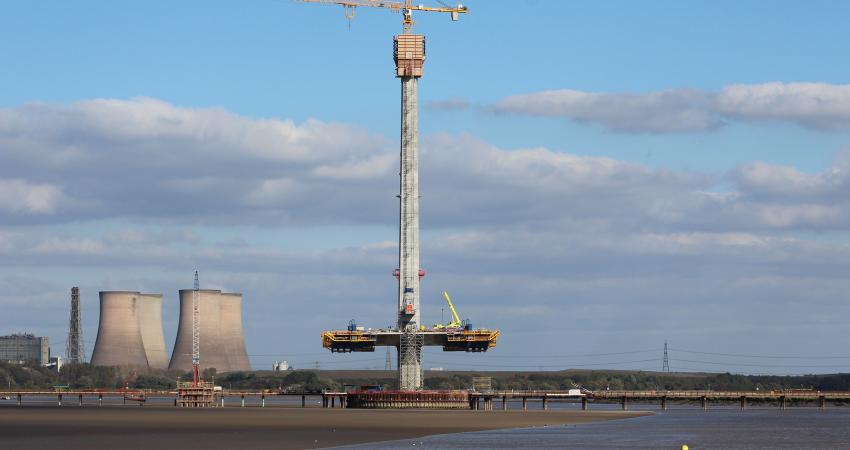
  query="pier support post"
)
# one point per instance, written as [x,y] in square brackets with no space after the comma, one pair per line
[664,403]
[303,401]
[525,403]
[584,405]
[704,403]
[504,403]
[625,403]
[821,402]
[743,402]
[333,401]
[545,402]
[99,399]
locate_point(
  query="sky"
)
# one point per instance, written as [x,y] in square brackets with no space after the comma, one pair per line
[597,178]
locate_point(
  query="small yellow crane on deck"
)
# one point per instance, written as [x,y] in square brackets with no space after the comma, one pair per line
[455,323]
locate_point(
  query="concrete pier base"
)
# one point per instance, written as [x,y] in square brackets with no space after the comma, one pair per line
[414,400]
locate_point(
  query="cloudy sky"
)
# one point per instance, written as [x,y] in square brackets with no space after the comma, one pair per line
[596,178]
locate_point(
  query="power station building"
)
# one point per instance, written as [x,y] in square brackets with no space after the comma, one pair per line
[222,341]
[24,348]
[129,333]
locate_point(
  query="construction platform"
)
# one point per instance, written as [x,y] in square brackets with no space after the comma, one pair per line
[452,340]
[191,395]
[407,399]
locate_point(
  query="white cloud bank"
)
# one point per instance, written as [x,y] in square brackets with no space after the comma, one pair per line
[145,159]
[818,106]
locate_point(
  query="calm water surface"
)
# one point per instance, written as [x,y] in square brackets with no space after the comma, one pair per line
[718,428]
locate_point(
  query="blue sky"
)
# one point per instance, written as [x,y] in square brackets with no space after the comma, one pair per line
[584,164]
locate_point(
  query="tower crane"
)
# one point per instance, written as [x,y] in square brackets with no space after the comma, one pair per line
[196,332]
[409,335]
[406,7]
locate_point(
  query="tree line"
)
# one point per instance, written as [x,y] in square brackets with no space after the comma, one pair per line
[87,376]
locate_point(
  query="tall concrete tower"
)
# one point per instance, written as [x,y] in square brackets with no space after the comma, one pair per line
[409,55]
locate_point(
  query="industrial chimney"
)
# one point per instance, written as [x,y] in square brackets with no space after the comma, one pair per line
[222,342]
[129,333]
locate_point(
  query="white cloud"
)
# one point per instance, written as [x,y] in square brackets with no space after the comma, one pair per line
[656,112]
[812,105]
[21,197]
[818,106]
[449,105]
[188,166]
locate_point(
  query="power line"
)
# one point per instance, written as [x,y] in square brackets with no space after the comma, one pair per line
[578,355]
[718,363]
[739,355]
[550,366]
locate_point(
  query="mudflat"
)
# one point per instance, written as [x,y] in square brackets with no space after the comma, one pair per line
[255,428]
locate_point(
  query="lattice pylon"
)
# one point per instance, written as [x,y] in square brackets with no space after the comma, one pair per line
[75,351]
[196,331]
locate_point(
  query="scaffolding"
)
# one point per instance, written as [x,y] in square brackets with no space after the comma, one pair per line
[191,394]
[410,360]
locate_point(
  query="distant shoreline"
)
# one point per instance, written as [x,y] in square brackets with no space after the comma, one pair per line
[268,428]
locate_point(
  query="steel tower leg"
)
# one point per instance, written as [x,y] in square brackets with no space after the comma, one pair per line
[410,348]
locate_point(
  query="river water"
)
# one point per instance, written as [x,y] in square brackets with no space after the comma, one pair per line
[717,428]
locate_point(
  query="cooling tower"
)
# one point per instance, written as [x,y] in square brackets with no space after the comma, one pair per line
[220,328]
[129,333]
[150,319]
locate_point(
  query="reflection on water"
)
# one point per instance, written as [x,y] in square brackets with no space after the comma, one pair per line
[720,427]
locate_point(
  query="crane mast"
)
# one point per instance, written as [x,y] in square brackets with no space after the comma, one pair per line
[196,332]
